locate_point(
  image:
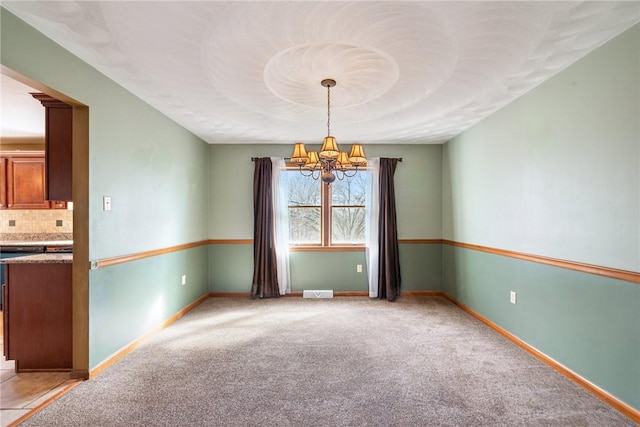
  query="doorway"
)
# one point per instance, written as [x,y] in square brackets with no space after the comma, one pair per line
[80,197]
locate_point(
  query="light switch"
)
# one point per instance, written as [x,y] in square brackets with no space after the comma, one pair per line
[106,203]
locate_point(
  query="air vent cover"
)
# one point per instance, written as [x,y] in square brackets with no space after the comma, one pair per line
[317,294]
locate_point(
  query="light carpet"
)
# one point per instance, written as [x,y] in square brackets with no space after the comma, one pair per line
[350,361]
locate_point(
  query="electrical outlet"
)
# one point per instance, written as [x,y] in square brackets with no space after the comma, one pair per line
[184,279]
[513,297]
[359,268]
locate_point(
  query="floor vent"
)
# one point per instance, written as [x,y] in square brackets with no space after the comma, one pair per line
[317,294]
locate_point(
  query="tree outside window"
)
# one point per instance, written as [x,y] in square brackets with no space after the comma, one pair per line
[305,209]
[322,215]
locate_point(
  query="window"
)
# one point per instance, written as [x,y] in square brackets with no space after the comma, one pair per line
[322,215]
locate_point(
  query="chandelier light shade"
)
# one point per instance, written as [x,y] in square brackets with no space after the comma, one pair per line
[313,162]
[330,162]
[299,156]
[329,148]
[357,157]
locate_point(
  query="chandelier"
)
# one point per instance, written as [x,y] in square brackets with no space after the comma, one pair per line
[330,162]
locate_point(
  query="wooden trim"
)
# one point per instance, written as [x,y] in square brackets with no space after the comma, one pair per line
[80,272]
[79,374]
[106,262]
[15,143]
[296,294]
[293,294]
[628,276]
[350,293]
[38,86]
[616,403]
[312,248]
[325,214]
[136,343]
[422,293]
[230,241]
[50,101]
[335,294]
[25,153]
[230,294]
[327,248]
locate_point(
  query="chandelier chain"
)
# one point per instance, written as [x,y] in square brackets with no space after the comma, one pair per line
[329,163]
[328,110]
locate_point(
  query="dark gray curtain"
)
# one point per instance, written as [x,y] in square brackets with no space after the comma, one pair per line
[265,277]
[389,261]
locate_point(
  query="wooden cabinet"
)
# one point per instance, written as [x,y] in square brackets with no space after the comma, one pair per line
[26,183]
[5,328]
[23,182]
[37,316]
[3,183]
[58,147]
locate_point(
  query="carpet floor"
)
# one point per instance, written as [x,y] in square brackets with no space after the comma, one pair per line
[350,361]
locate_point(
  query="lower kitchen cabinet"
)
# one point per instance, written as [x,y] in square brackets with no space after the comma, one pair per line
[37,316]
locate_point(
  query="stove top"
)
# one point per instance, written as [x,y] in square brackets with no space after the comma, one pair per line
[59,249]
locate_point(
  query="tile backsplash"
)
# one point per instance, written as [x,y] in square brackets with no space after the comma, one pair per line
[36,221]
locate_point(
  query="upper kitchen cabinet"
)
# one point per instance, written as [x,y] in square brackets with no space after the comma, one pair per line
[25,182]
[58,147]
[3,183]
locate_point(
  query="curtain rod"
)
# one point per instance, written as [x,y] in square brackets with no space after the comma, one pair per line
[253,159]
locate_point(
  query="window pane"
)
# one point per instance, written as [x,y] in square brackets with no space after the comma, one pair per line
[348,225]
[303,191]
[304,225]
[350,191]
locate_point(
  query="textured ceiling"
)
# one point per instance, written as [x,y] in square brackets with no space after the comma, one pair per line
[250,72]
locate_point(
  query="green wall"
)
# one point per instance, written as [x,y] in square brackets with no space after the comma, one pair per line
[144,303]
[231,269]
[419,212]
[157,175]
[585,322]
[556,173]
[418,181]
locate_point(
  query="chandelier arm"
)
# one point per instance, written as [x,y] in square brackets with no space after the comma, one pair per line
[305,174]
[350,175]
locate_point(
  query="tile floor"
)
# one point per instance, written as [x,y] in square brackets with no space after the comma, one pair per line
[21,393]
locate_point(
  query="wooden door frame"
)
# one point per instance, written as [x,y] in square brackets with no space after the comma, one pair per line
[80,195]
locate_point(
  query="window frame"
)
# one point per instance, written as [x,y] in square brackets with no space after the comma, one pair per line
[326,210]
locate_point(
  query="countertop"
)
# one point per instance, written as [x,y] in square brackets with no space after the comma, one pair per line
[36,242]
[51,258]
